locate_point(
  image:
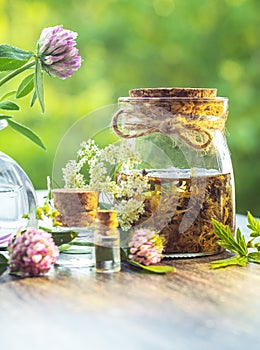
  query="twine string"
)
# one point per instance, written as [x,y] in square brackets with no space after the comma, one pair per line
[194,130]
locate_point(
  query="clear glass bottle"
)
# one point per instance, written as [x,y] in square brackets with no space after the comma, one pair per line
[107,242]
[179,133]
[17,195]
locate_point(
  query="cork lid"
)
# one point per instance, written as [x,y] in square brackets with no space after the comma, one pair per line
[107,218]
[174,92]
[106,215]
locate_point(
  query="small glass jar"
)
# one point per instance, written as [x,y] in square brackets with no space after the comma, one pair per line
[77,212]
[107,242]
[179,133]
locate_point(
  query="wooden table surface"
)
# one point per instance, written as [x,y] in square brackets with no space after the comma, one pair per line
[193,308]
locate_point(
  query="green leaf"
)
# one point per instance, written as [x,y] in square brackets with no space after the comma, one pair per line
[63,237]
[9,105]
[242,242]
[8,94]
[160,269]
[12,57]
[3,259]
[79,243]
[26,86]
[227,240]
[254,257]
[253,225]
[105,206]
[257,246]
[24,130]
[3,116]
[64,247]
[3,264]
[234,260]
[15,72]
[47,229]
[34,98]
[38,82]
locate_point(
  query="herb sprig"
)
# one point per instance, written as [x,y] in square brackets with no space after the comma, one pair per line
[238,244]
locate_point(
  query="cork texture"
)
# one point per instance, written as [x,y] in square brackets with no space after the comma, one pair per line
[188,101]
[76,207]
[174,92]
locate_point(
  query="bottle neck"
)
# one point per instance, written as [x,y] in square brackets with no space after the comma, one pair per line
[107,227]
[107,219]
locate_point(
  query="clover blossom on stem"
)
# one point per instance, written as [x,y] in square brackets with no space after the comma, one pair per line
[56,54]
[32,253]
[57,51]
[145,247]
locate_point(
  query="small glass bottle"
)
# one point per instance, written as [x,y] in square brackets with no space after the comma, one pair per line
[107,242]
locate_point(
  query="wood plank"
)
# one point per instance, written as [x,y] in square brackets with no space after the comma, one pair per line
[194,308]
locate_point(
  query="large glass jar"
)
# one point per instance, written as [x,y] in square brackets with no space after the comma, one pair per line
[17,195]
[179,133]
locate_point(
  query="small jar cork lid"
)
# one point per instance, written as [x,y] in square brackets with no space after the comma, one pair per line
[174,92]
[107,217]
[69,199]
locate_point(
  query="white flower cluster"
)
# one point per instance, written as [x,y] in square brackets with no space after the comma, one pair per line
[71,176]
[87,151]
[129,211]
[129,194]
[102,169]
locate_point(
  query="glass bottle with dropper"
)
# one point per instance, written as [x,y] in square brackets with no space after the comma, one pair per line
[107,242]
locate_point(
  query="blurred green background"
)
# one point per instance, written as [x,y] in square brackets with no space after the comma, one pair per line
[143,43]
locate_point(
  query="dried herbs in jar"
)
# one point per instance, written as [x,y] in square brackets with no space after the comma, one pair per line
[180,135]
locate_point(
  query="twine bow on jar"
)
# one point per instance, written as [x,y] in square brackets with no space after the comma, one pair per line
[194,129]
